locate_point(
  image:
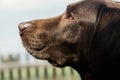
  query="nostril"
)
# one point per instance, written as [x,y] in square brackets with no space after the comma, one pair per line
[22,29]
[23,26]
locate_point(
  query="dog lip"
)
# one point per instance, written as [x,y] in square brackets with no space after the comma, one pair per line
[38,53]
[52,62]
[39,49]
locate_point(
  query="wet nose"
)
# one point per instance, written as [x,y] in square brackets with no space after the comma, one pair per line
[24,25]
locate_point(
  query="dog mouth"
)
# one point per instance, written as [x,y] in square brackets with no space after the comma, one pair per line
[38,52]
[57,62]
[53,62]
[38,49]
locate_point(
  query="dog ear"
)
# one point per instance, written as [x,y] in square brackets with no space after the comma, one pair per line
[85,18]
[107,34]
[84,12]
[108,18]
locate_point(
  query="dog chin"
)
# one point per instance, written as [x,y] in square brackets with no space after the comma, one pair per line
[57,63]
[38,54]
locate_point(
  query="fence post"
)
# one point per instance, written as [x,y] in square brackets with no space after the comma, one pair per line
[37,72]
[19,74]
[46,73]
[2,75]
[11,74]
[54,73]
[63,73]
[72,74]
[28,73]
[71,70]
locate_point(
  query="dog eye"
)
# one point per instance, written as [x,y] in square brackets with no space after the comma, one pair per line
[69,16]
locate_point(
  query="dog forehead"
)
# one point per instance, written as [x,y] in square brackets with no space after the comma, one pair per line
[85,5]
[85,11]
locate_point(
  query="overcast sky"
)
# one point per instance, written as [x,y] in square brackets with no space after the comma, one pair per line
[12,12]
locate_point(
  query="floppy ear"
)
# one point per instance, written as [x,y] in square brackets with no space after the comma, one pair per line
[108,18]
[85,18]
[107,34]
[85,12]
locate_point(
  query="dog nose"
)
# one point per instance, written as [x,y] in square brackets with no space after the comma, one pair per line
[24,25]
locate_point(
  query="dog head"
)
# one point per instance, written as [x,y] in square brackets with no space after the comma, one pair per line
[65,39]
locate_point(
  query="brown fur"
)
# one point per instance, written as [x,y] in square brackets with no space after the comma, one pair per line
[85,37]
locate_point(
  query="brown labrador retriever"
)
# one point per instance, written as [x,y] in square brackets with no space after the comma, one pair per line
[86,37]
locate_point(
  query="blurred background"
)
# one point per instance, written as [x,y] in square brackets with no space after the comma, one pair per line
[15,62]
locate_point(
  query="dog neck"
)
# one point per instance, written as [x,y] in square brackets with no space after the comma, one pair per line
[82,68]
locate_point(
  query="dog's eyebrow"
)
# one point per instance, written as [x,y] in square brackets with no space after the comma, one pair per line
[68,9]
[73,6]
